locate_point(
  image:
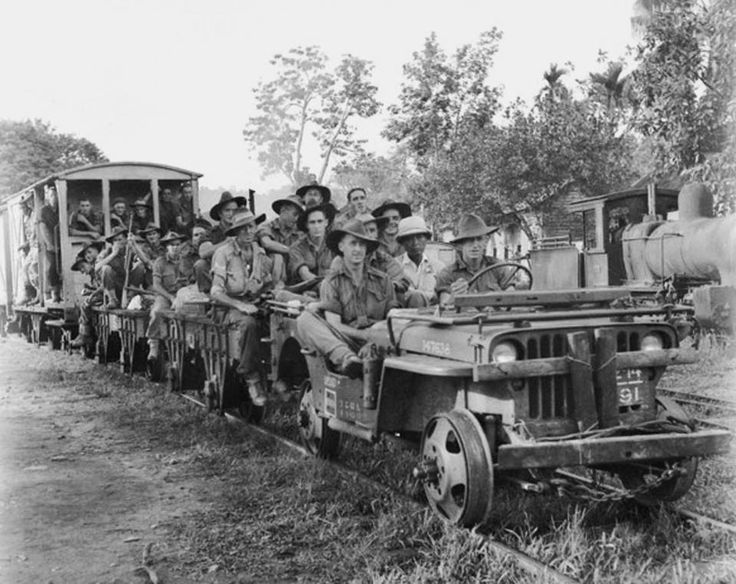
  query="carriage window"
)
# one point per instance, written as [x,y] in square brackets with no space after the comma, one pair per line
[84,208]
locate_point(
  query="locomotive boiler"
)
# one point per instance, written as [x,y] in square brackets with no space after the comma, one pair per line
[651,238]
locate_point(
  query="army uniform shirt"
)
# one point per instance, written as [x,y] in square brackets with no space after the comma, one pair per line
[172,276]
[234,276]
[275,231]
[392,248]
[368,301]
[305,253]
[459,269]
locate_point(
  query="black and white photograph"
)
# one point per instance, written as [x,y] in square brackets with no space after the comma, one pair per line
[385,293]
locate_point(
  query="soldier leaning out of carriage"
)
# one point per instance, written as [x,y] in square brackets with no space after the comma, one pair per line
[48,222]
[470,243]
[171,272]
[30,291]
[241,273]
[85,220]
[277,236]
[310,257]
[222,212]
[355,296]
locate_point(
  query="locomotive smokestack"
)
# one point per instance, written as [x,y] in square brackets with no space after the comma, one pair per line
[694,202]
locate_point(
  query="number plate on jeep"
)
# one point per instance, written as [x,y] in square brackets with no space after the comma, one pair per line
[632,386]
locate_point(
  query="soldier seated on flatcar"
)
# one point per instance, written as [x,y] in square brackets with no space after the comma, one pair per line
[171,272]
[111,268]
[85,220]
[222,212]
[310,257]
[277,236]
[470,243]
[148,251]
[354,297]
[92,293]
[241,273]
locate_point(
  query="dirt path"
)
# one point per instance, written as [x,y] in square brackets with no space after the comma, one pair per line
[78,503]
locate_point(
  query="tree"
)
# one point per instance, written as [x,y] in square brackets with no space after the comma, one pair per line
[443,98]
[31,150]
[683,90]
[303,100]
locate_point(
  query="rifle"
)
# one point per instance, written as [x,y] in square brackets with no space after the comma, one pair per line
[128,252]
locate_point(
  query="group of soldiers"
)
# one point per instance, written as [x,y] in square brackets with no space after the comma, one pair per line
[348,267]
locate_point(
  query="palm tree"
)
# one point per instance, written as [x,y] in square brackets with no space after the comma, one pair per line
[552,76]
[611,83]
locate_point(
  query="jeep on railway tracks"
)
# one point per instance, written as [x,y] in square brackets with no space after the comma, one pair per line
[508,385]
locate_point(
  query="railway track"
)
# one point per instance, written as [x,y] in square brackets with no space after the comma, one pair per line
[727,409]
[539,570]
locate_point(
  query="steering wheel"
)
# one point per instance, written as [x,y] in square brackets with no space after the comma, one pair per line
[506,280]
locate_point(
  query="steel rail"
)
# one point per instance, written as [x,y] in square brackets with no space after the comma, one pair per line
[538,569]
[697,399]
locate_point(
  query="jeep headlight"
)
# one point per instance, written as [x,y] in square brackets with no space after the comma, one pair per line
[504,352]
[651,342]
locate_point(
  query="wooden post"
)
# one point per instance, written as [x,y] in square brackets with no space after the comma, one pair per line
[65,251]
[581,376]
[195,197]
[606,391]
[106,205]
[154,201]
[252,200]
[8,243]
[652,199]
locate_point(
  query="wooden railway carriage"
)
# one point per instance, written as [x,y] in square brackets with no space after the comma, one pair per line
[102,184]
[513,385]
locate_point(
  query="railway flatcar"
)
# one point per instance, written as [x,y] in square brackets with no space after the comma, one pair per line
[41,237]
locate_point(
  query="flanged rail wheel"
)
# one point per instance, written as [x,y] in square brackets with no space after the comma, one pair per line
[456,468]
[317,436]
[634,476]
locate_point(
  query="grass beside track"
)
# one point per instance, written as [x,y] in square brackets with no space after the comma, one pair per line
[266,515]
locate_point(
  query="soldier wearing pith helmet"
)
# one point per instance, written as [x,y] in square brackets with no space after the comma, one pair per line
[241,272]
[470,244]
[413,236]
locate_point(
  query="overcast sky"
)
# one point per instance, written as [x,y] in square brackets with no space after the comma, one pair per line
[171,81]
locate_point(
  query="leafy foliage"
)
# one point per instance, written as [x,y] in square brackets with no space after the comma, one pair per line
[443,98]
[521,166]
[31,150]
[683,90]
[306,99]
